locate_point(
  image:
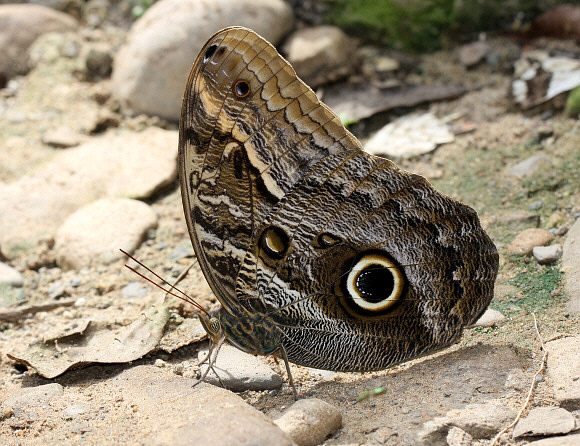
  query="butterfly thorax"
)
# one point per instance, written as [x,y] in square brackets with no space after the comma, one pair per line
[250,332]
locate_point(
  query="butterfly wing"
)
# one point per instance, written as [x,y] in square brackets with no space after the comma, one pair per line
[357,263]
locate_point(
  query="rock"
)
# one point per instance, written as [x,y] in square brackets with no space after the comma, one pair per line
[74,411]
[458,437]
[478,420]
[525,241]
[120,164]
[61,138]
[568,440]
[183,415]
[134,290]
[530,166]
[571,267]
[409,136]
[491,318]
[563,368]
[516,380]
[33,396]
[240,371]
[20,26]
[309,421]
[473,53]
[99,64]
[545,255]
[545,421]
[170,34]
[519,220]
[94,233]
[10,276]
[321,54]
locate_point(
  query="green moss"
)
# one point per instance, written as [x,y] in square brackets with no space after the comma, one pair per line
[573,103]
[535,284]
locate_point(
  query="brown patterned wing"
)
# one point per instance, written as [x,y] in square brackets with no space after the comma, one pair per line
[249,130]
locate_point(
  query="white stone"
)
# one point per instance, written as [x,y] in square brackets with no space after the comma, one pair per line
[10,276]
[546,255]
[94,234]
[150,71]
[491,318]
[545,421]
[571,267]
[320,54]
[118,164]
[530,166]
[409,136]
[309,421]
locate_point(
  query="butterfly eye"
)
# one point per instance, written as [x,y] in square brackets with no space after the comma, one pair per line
[210,52]
[214,325]
[241,89]
[374,284]
[274,242]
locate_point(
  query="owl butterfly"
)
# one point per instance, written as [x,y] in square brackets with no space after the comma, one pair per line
[318,252]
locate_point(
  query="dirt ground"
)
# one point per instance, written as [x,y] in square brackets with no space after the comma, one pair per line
[472,169]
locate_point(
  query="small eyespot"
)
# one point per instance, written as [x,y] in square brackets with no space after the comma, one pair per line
[274,242]
[209,52]
[374,284]
[326,240]
[241,89]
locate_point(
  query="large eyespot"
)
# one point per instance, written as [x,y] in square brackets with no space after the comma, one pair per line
[242,89]
[374,284]
[274,242]
[209,52]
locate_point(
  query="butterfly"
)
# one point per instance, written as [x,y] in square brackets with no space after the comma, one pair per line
[319,253]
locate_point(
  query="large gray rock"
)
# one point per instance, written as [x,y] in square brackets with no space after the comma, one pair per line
[124,164]
[94,233]
[545,421]
[151,69]
[205,414]
[563,367]
[571,267]
[20,26]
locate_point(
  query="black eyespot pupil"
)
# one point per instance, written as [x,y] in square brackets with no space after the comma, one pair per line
[375,283]
[242,89]
[210,52]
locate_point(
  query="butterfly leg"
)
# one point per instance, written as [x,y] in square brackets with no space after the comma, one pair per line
[287,364]
[211,358]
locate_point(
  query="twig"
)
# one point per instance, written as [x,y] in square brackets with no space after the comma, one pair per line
[16,314]
[532,385]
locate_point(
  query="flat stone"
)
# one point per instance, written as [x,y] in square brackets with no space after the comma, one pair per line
[94,233]
[170,34]
[61,137]
[519,220]
[478,420]
[320,54]
[118,164]
[563,368]
[472,53]
[10,276]
[571,267]
[309,421]
[545,421]
[530,166]
[458,437]
[568,440]
[525,241]
[73,411]
[33,396]
[240,371]
[546,255]
[20,26]
[491,318]
[186,415]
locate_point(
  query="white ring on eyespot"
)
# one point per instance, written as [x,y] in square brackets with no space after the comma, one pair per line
[359,267]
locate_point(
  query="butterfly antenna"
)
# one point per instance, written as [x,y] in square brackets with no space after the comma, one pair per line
[184,297]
